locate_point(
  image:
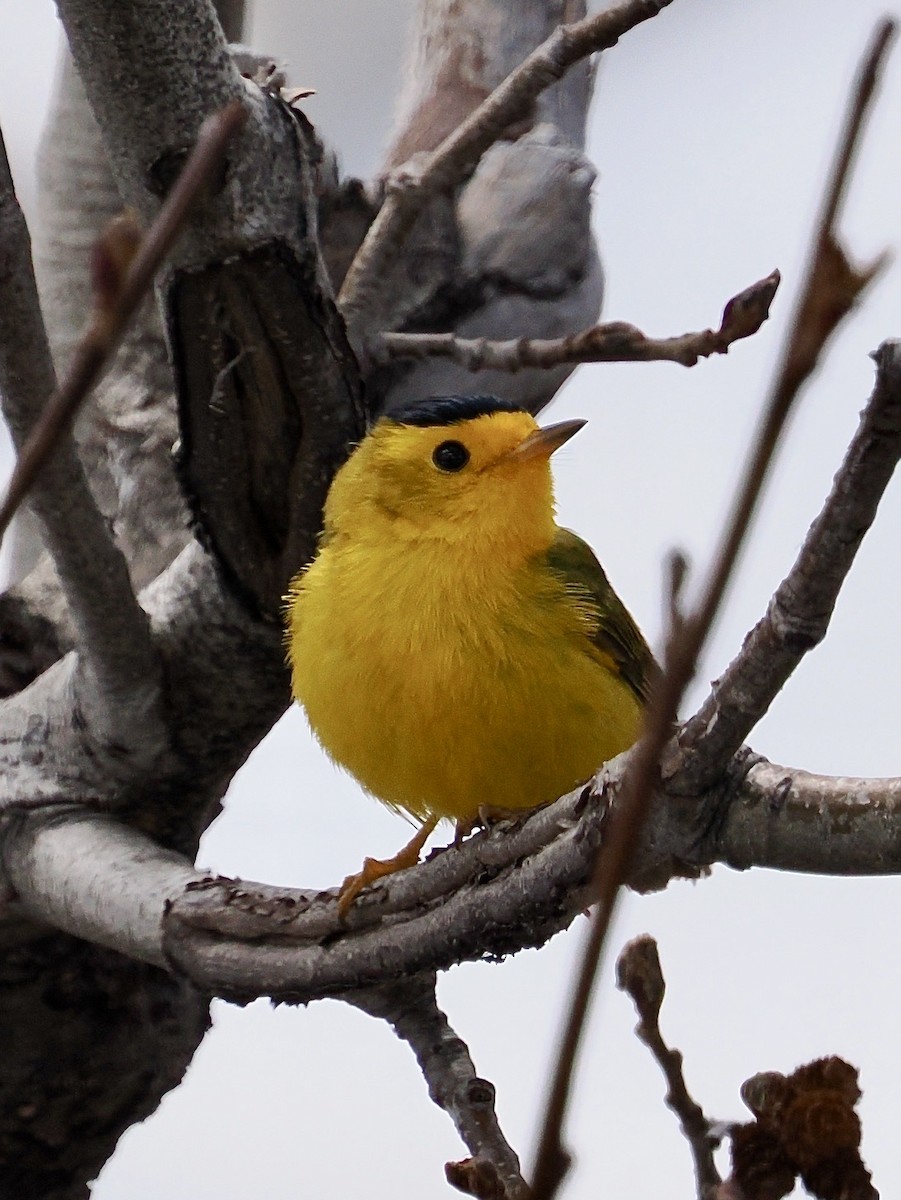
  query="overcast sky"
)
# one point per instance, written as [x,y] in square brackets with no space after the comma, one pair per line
[712,129]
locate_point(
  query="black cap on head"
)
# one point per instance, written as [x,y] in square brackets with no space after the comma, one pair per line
[449,410]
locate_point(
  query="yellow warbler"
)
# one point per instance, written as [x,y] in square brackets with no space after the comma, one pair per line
[453,647]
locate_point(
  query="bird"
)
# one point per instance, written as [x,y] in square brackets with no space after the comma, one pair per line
[453,648]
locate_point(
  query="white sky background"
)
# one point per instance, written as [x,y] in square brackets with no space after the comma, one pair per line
[712,129]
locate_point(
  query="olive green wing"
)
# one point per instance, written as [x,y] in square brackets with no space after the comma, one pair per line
[612,630]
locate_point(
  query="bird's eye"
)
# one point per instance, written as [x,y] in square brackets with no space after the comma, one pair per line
[450,456]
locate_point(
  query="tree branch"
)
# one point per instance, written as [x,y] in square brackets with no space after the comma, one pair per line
[799,613]
[443,168]
[512,248]
[124,273]
[502,890]
[788,819]
[612,342]
[121,677]
[93,876]
[412,1010]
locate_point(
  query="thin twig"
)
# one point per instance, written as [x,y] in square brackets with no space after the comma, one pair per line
[411,185]
[826,296]
[611,342]
[638,973]
[412,1010]
[108,324]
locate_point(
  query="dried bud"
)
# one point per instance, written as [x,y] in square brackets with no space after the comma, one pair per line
[638,973]
[760,1167]
[810,1117]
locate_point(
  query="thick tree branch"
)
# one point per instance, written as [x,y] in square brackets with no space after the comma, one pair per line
[612,342]
[786,819]
[145,45]
[411,1008]
[97,878]
[499,892]
[268,403]
[445,167]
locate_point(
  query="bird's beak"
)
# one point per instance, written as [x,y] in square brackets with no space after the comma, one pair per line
[543,442]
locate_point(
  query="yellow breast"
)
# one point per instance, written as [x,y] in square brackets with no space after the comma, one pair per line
[442,687]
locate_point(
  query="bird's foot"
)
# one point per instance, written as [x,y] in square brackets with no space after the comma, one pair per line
[486,816]
[377,868]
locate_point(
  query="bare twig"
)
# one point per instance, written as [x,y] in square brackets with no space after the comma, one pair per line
[412,1010]
[109,322]
[677,568]
[808,334]
[612,342]
[638,973]
[410,186]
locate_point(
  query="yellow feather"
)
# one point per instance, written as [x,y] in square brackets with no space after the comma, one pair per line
[438,656]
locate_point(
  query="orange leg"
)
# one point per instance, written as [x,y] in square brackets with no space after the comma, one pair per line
[377,868]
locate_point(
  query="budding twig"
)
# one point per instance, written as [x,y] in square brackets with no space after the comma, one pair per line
[638,973]
[615,341]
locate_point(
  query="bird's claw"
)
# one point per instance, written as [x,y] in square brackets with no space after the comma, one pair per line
[377,868]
